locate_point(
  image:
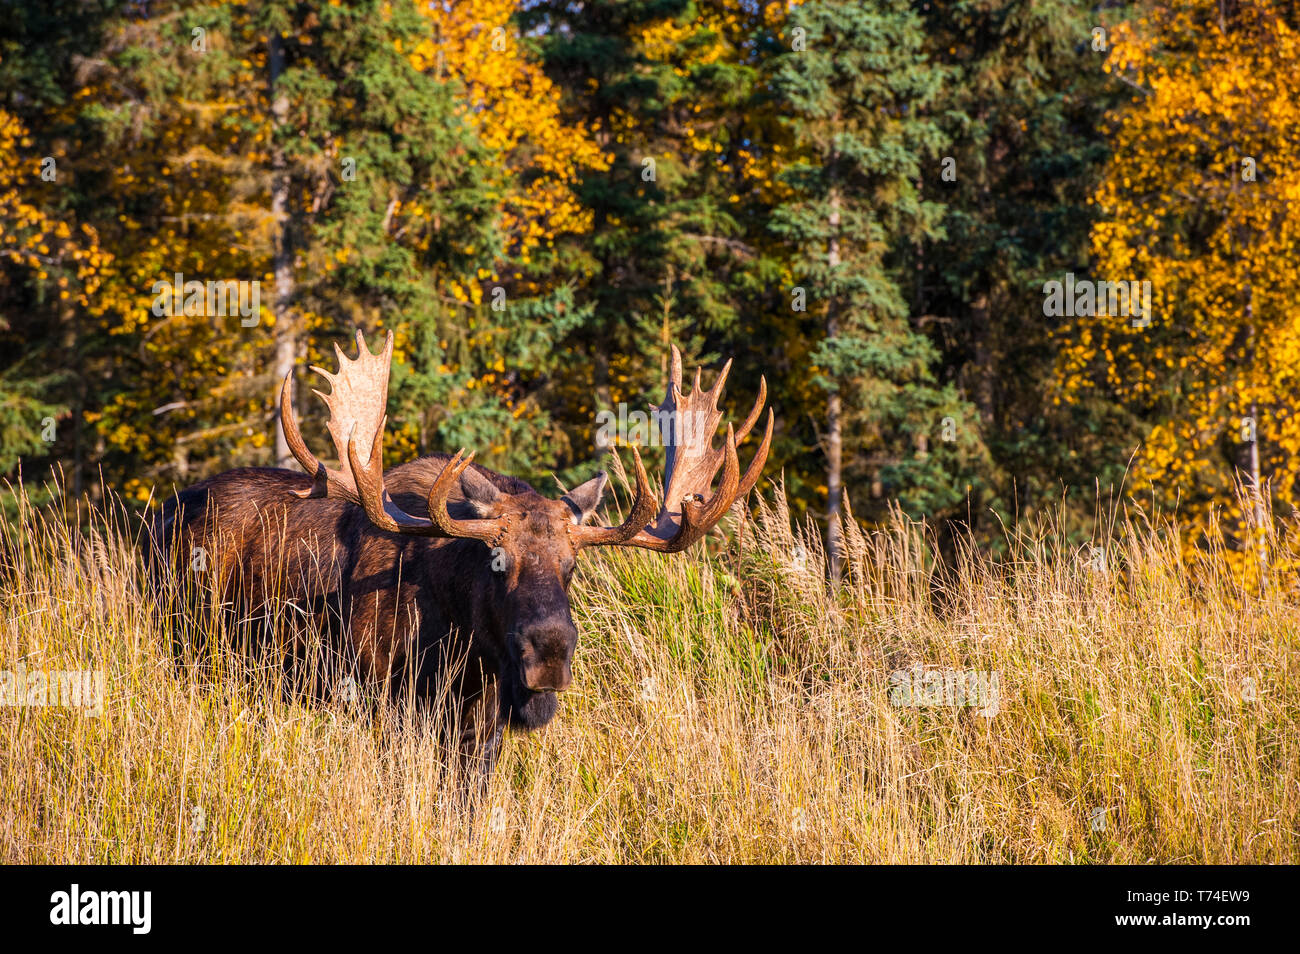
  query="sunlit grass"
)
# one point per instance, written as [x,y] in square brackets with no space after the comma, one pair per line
[726,707]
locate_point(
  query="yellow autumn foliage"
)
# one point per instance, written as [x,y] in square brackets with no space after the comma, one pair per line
[515,111]
[1200,199]
[50,249]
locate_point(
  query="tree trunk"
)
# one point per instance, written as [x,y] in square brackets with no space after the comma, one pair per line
[834,413]
[1257,496]
[286,345]
[600,378]
[985,366]
[72,344]
[1256,483]
[1258,530]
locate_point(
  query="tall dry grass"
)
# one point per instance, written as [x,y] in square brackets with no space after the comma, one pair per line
[726,707]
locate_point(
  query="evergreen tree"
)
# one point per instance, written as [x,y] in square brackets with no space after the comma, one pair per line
[278,144]
[53,366]
[1021,109]
[857,88]
[660,83]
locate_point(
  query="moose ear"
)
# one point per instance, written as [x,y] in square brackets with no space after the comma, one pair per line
[585,498]
[480,493]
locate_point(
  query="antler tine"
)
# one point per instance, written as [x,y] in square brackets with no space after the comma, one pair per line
[754,412]
[292,433]
[716,391]
[755,469]
[369,477]
[437,499]
[490,530]
[675,372]
[644,507]
[323,479]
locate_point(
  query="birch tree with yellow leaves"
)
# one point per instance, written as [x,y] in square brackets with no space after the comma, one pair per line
[1200,198]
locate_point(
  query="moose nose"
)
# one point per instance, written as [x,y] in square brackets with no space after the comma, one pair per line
[555,677]
[544,658]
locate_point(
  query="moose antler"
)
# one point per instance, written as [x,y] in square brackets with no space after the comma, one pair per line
[690,466]
[358,395]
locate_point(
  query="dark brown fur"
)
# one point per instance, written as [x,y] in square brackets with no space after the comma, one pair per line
[401,611]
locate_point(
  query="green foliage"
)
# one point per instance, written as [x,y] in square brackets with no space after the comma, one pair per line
[25,414]
[1021,110]
[858,92]
[699,162]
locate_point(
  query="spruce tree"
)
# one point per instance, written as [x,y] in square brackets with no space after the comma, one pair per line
[856,89]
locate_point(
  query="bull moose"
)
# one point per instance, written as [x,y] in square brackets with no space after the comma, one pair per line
[439,560]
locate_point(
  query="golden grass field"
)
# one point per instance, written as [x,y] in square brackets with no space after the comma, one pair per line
[727,707]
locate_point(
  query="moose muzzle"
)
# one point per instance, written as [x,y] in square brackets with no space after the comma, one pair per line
[546,656]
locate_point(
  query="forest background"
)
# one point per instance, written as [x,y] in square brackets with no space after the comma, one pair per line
[866,202]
